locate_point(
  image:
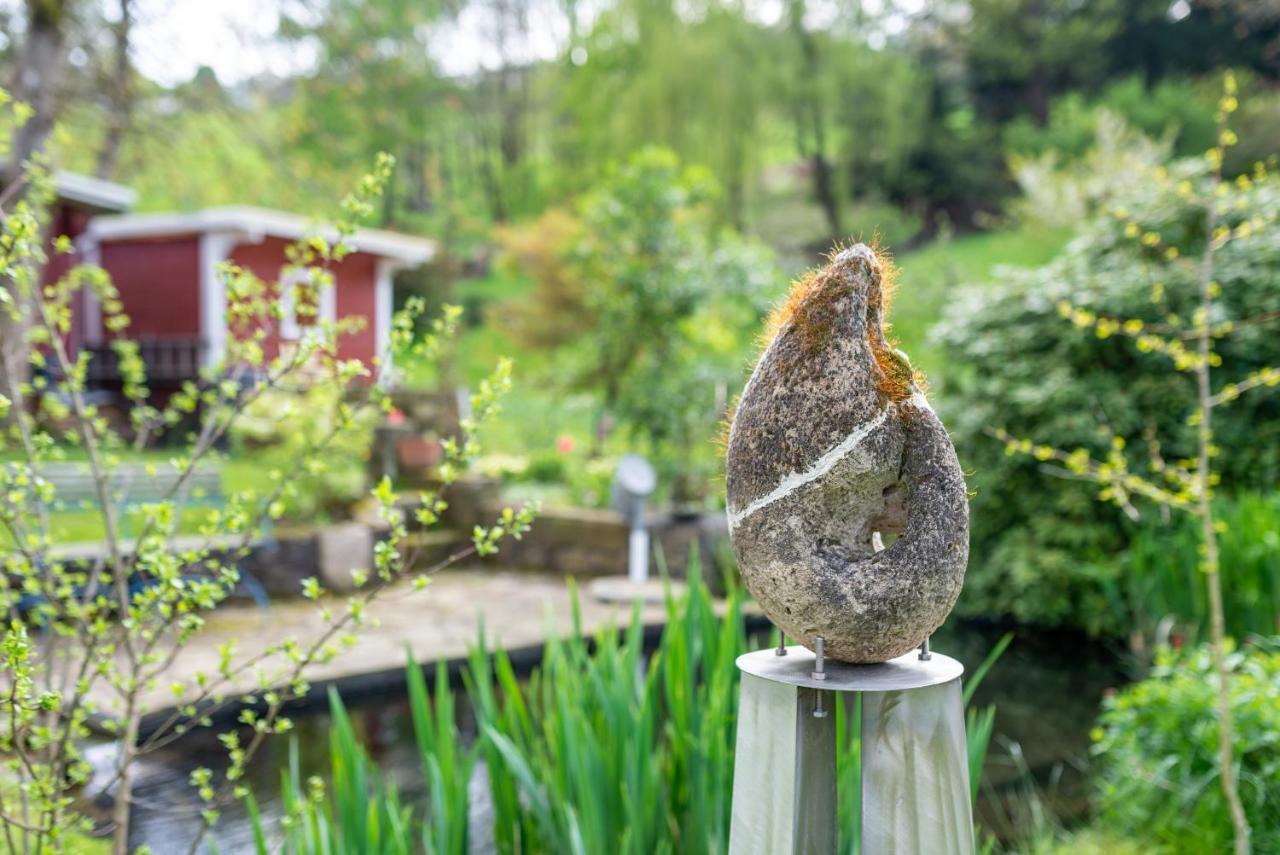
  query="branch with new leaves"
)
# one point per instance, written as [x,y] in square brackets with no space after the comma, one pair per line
[113,628]
[1192,346]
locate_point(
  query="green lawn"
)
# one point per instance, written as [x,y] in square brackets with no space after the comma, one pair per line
[82,524]
[535,414]
[928,275]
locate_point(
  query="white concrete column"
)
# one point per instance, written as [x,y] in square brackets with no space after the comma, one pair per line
[383,309]
[215,247]
[90,252]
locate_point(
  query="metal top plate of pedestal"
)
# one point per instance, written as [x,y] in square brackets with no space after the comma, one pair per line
[908,671]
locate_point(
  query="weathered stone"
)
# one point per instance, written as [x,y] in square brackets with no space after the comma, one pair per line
[344,547]
[834,451]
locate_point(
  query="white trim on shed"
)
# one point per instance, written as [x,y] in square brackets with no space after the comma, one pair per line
[259,222]
[96,194]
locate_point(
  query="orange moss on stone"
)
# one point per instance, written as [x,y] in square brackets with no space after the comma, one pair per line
[811,310]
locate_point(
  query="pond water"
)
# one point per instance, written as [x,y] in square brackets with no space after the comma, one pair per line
[1047,688]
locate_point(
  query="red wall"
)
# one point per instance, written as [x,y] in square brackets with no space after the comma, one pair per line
[159,284]
[355,278]
[70,221]
[357,296]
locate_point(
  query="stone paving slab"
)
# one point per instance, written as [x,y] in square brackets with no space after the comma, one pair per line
[517,609]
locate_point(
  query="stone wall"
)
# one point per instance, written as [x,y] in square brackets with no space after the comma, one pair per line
[579,542]
[587,542]
[281,563]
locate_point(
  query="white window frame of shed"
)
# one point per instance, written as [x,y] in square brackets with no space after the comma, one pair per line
[326,312]
[220,230]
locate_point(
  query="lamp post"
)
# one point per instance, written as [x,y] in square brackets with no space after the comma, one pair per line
[633,484]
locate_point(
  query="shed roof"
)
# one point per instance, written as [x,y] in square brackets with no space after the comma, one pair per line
[254,224]
[96,194]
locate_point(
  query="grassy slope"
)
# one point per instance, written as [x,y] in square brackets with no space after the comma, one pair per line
[928,275]
[533,416]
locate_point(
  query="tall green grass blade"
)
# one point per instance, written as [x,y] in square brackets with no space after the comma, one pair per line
[603,749]
[980,673]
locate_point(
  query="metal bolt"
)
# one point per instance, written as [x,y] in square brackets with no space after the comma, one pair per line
[925,655]
[820,662]
[818,710]
[782,644]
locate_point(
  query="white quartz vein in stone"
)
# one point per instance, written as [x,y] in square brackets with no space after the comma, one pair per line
[822,466]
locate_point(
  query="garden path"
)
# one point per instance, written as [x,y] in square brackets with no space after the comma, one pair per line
[517,609]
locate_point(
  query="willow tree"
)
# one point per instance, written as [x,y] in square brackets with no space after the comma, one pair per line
[687,77]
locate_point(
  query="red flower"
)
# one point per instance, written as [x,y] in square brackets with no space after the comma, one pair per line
[565,444]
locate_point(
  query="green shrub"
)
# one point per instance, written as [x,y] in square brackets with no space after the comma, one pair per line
[284,422]
[1159,575]
[547,467]
[1044,551]
[1181,109]
[1157,744]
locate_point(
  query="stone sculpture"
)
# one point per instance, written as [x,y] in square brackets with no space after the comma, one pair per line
[847,508]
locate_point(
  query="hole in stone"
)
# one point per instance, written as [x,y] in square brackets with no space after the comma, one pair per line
[882,540]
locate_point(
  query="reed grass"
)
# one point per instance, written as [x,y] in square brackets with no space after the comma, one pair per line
[350,812]
[605,748]
[1160,581]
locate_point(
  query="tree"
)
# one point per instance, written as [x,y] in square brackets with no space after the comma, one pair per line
[662,306]
[1022,52]
[119,621]
[376,88]
[37,86]
[38,79]
[121,93]
[809,105]
[1194,257]
[685,77]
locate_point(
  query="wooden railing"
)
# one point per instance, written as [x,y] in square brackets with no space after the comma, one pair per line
[167,360]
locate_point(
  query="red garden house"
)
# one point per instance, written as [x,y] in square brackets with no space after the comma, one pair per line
[165,268]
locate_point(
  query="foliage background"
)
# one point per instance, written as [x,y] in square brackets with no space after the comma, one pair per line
[1157,742]
[1044,546]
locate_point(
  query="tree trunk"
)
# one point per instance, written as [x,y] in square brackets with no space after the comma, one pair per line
[120,95]
[40,69]
[824,190]
[38,82]
[812,130]
[1213,579]
[1038,96]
